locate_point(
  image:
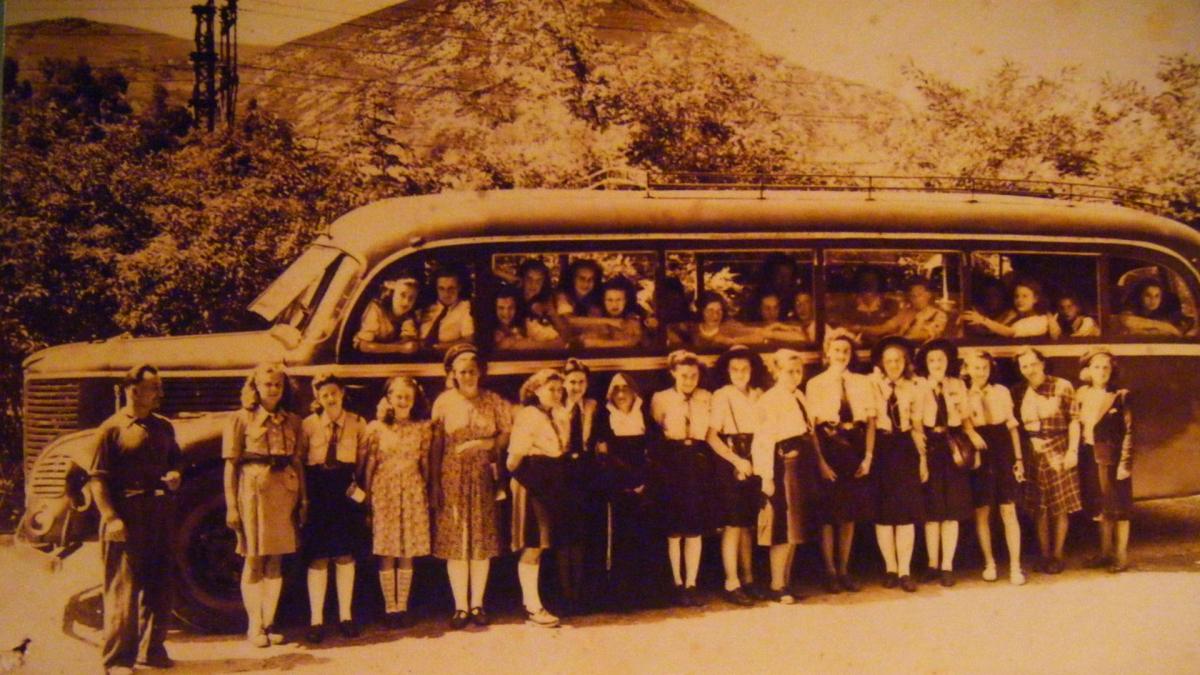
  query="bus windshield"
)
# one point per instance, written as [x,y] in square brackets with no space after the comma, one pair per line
[293,297]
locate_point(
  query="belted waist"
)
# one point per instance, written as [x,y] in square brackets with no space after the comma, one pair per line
[942,429]
[143,492]
[275,462]
[891,432]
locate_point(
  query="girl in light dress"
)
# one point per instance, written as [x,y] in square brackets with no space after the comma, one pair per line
[396,480]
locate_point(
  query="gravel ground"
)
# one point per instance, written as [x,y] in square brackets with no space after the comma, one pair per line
[1145,621]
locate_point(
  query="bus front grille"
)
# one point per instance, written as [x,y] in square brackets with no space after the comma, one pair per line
[48,478]
[51,410]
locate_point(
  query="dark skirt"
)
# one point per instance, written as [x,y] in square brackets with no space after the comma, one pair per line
[626,465]
[846,499]
[336,525]
[897,471]
[786,515]
[685,491]
[994,481]
[737,501]
[1103,494]
[948,490]
[584,510]
[540,502]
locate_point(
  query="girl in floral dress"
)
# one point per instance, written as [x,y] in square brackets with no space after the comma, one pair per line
[397,475]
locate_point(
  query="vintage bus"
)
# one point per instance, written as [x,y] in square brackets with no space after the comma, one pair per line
[786,265]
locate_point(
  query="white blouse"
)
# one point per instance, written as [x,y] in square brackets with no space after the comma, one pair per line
[992,405]
[632,423]
[956,401]
[682,417]
[779,418]
[906,401]
[824,393]
[535,432]
[733,412]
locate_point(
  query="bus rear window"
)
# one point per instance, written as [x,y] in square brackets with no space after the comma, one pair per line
[1149,300]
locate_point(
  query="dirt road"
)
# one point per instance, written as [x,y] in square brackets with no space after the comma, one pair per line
[1145,621]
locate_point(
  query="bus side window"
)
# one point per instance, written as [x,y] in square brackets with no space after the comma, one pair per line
[875,293]
[415,307]
[556,300]
[1032,295]
[1149,300]
[741,297]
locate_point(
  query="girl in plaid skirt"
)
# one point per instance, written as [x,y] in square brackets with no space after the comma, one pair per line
[1046,407]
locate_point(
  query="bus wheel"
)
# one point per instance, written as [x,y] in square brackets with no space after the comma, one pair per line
[207,569]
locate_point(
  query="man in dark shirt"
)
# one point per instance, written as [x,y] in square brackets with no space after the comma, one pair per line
[136,469]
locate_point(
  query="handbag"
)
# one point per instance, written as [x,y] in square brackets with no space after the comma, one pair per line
[961,448]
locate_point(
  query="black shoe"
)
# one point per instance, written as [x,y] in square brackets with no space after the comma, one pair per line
[479,616]
[399,620]
[679,597]
[947,578]
[737,596]
[692,597]
[459,620]
[831,585]
[848,584]
[908,584]
[349,629]
[1055,566]
[157,660]
[1097,561]
[891,580]
[757,592]
[930,575]
[315,634]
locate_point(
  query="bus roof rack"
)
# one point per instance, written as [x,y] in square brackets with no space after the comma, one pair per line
[657,182]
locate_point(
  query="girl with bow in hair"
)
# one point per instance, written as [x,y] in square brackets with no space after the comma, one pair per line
[397,480]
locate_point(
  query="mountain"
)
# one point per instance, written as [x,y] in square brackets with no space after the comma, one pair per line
[396,63]
[144,57]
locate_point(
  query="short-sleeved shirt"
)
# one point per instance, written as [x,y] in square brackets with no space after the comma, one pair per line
[733,412]
[927,324]
[133,453]
[485,416]
[536,431]
[907,406]
[782,414]
[257,432]
[457,323]
[993,404]
[378,325]
[682,417]
[349,431]
[955,392]
[824,393]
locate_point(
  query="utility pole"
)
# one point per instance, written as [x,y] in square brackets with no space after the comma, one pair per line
[204,66]
[229,60]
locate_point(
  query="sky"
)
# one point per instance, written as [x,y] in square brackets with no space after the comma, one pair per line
[867,41]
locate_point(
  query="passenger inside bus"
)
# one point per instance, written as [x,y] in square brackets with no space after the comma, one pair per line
[537,301]
[620,325]
[579,292]
[448,320]
[714,328]
[389,323]
[778,277]
[870,306]
[1150,309]
[804,317]
[1028,317]
[920,321]
[1073,321]
[775,329]
[514,330]
[990,301]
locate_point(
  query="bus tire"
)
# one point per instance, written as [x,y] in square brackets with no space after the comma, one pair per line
[206,569]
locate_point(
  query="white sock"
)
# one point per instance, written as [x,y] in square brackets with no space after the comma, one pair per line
[404,577]
[387,584]
[691,556]
[906,538]
[318,580]
[344,572]
[885,536]
[459,579]
[527,574]
[479,578]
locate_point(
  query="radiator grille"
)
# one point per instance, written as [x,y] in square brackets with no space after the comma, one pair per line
[51,410]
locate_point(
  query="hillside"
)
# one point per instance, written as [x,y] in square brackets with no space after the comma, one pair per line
[410,65]
[145,57]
